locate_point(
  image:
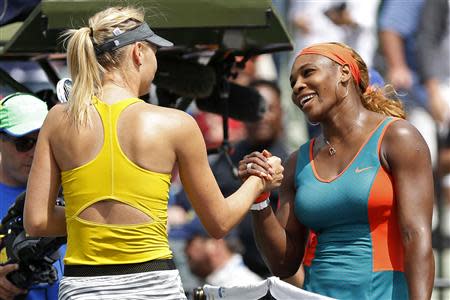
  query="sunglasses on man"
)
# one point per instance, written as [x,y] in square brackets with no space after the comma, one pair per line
[23,144]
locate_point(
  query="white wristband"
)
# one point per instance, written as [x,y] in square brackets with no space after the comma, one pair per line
[261,205]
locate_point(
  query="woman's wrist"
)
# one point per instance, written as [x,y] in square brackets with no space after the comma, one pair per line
[258,182]
[261,202]
[260,205]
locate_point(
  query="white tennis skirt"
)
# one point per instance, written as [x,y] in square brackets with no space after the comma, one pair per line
[161,285]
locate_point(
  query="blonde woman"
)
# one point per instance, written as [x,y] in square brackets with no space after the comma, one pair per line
[113,155]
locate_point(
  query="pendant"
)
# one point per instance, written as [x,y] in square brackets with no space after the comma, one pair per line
[331,151]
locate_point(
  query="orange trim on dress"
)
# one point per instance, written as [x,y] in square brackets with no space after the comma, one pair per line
[380,140]
[313,166]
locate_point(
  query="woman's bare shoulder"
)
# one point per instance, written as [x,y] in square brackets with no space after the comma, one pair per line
[165,116]
[402,142]
[57,116]
[57,110]
[401,131]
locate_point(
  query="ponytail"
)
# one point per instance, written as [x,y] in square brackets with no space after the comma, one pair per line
[85,73]
[379,100]
[384,100]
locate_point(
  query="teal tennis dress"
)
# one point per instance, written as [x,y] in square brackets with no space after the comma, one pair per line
[355,249]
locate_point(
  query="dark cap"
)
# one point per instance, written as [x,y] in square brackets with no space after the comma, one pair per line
[124,38]
[195,228]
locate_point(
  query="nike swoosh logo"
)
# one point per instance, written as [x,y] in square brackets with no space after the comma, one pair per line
[358,170]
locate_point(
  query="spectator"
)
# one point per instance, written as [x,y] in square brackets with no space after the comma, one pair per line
[398,27]
[433,38]
[21,117]
[216,261]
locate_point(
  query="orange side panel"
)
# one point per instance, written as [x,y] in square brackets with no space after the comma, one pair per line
[310,249]
[386,240]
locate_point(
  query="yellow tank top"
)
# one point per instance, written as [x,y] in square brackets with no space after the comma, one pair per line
[111,175]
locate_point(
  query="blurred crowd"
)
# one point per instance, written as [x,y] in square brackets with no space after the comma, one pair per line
[404,43]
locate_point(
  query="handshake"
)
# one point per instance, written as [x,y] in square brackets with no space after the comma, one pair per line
[265,166]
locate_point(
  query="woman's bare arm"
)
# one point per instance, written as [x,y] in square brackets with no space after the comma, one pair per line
[408,159]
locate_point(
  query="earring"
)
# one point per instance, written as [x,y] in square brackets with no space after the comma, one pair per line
[312,123]
[346,92]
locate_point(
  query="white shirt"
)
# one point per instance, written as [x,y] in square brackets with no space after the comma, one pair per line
[233,273]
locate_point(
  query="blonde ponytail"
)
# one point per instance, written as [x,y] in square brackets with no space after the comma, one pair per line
[380,100]
[84,72]
[86,68]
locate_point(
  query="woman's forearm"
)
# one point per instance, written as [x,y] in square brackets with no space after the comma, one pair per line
[54,225]
[280,254]
[419,266]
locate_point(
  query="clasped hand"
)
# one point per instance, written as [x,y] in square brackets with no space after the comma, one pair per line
[263,165]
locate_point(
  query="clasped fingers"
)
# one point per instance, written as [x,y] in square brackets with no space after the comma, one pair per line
[255,163]
[277,176]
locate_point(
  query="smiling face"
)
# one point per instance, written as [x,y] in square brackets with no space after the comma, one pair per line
[313,80]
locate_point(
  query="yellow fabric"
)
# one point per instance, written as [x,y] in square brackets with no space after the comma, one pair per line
[111,175]
[3,255]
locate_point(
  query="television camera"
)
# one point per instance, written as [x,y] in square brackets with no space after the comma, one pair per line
[35,256]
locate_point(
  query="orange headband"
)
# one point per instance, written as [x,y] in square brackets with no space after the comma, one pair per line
[336,53]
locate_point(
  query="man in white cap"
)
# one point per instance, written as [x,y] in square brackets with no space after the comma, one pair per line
[21,117]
